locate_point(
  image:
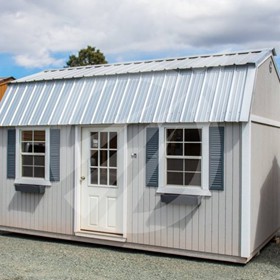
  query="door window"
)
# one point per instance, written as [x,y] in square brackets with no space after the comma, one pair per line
[103,158]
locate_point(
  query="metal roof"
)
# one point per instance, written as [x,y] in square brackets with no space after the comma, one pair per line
[208,94]
[237,58]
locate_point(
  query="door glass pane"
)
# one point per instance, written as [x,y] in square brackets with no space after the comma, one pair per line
[94,158]
[94,140]
[104,140]
[113,159]
[103,158]
[113,140]
[103,176]
[94,176]
[113,177]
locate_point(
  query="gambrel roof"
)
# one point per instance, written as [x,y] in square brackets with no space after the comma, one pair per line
[209,88]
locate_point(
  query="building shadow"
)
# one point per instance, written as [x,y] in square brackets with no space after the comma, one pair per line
[268,216]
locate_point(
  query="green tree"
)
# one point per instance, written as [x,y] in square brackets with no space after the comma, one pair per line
[88,56]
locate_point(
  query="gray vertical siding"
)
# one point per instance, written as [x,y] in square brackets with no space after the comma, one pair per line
[265,156]
[265,181]
[266,96]
[51,212]
[212,227]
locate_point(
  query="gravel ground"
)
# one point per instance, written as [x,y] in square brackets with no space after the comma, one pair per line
[24,257]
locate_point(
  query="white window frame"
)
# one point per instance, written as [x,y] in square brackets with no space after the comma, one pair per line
[184,190]
[26,180]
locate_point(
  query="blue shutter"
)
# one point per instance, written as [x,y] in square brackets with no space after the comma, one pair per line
[11,154]
[152,138]
[54,155]
[216,158]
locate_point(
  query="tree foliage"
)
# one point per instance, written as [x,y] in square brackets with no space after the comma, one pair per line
[87,56]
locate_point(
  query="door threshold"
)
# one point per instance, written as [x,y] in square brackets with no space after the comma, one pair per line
[101,235]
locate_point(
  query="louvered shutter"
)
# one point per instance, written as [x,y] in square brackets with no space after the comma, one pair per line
[152,144]
[216,158]
[54,155]
[11,154]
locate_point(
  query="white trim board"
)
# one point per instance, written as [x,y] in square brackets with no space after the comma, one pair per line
[265,121]
[246,191]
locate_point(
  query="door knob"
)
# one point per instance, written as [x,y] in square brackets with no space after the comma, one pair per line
[83,178]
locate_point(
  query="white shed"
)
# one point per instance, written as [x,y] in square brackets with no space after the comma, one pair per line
[176,155]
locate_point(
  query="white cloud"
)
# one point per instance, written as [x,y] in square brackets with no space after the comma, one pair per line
[34,31]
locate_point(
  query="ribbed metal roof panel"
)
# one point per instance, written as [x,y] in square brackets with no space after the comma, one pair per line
[190,62]
[50,105]
[127,99]
[8,114]
[93,100]
[216,94]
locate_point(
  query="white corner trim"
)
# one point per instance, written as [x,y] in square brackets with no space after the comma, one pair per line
[246,191]
[77,175]
[124,171]
[265,121]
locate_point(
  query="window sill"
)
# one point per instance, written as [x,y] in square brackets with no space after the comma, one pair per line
[31,181]
[183,191]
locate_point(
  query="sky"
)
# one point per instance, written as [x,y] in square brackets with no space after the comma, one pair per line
[39,35]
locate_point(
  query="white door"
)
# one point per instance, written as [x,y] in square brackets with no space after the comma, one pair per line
[102,180]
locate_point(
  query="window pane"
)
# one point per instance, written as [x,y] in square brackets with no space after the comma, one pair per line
[27,171]
[26,147]
[175,149]
[39,160]
[103,158]
[39,148]
[103,176]
[104,140]
[113,140]
[26,135]
[113,177]
[94,140]
[192,149]
[175,164]
[175,178]
[39,172]
[113,159]
[175,135]
[192,165]
[193,179]
[94,176]
[94,158]
[27,160]
[39,135]
[193,135]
